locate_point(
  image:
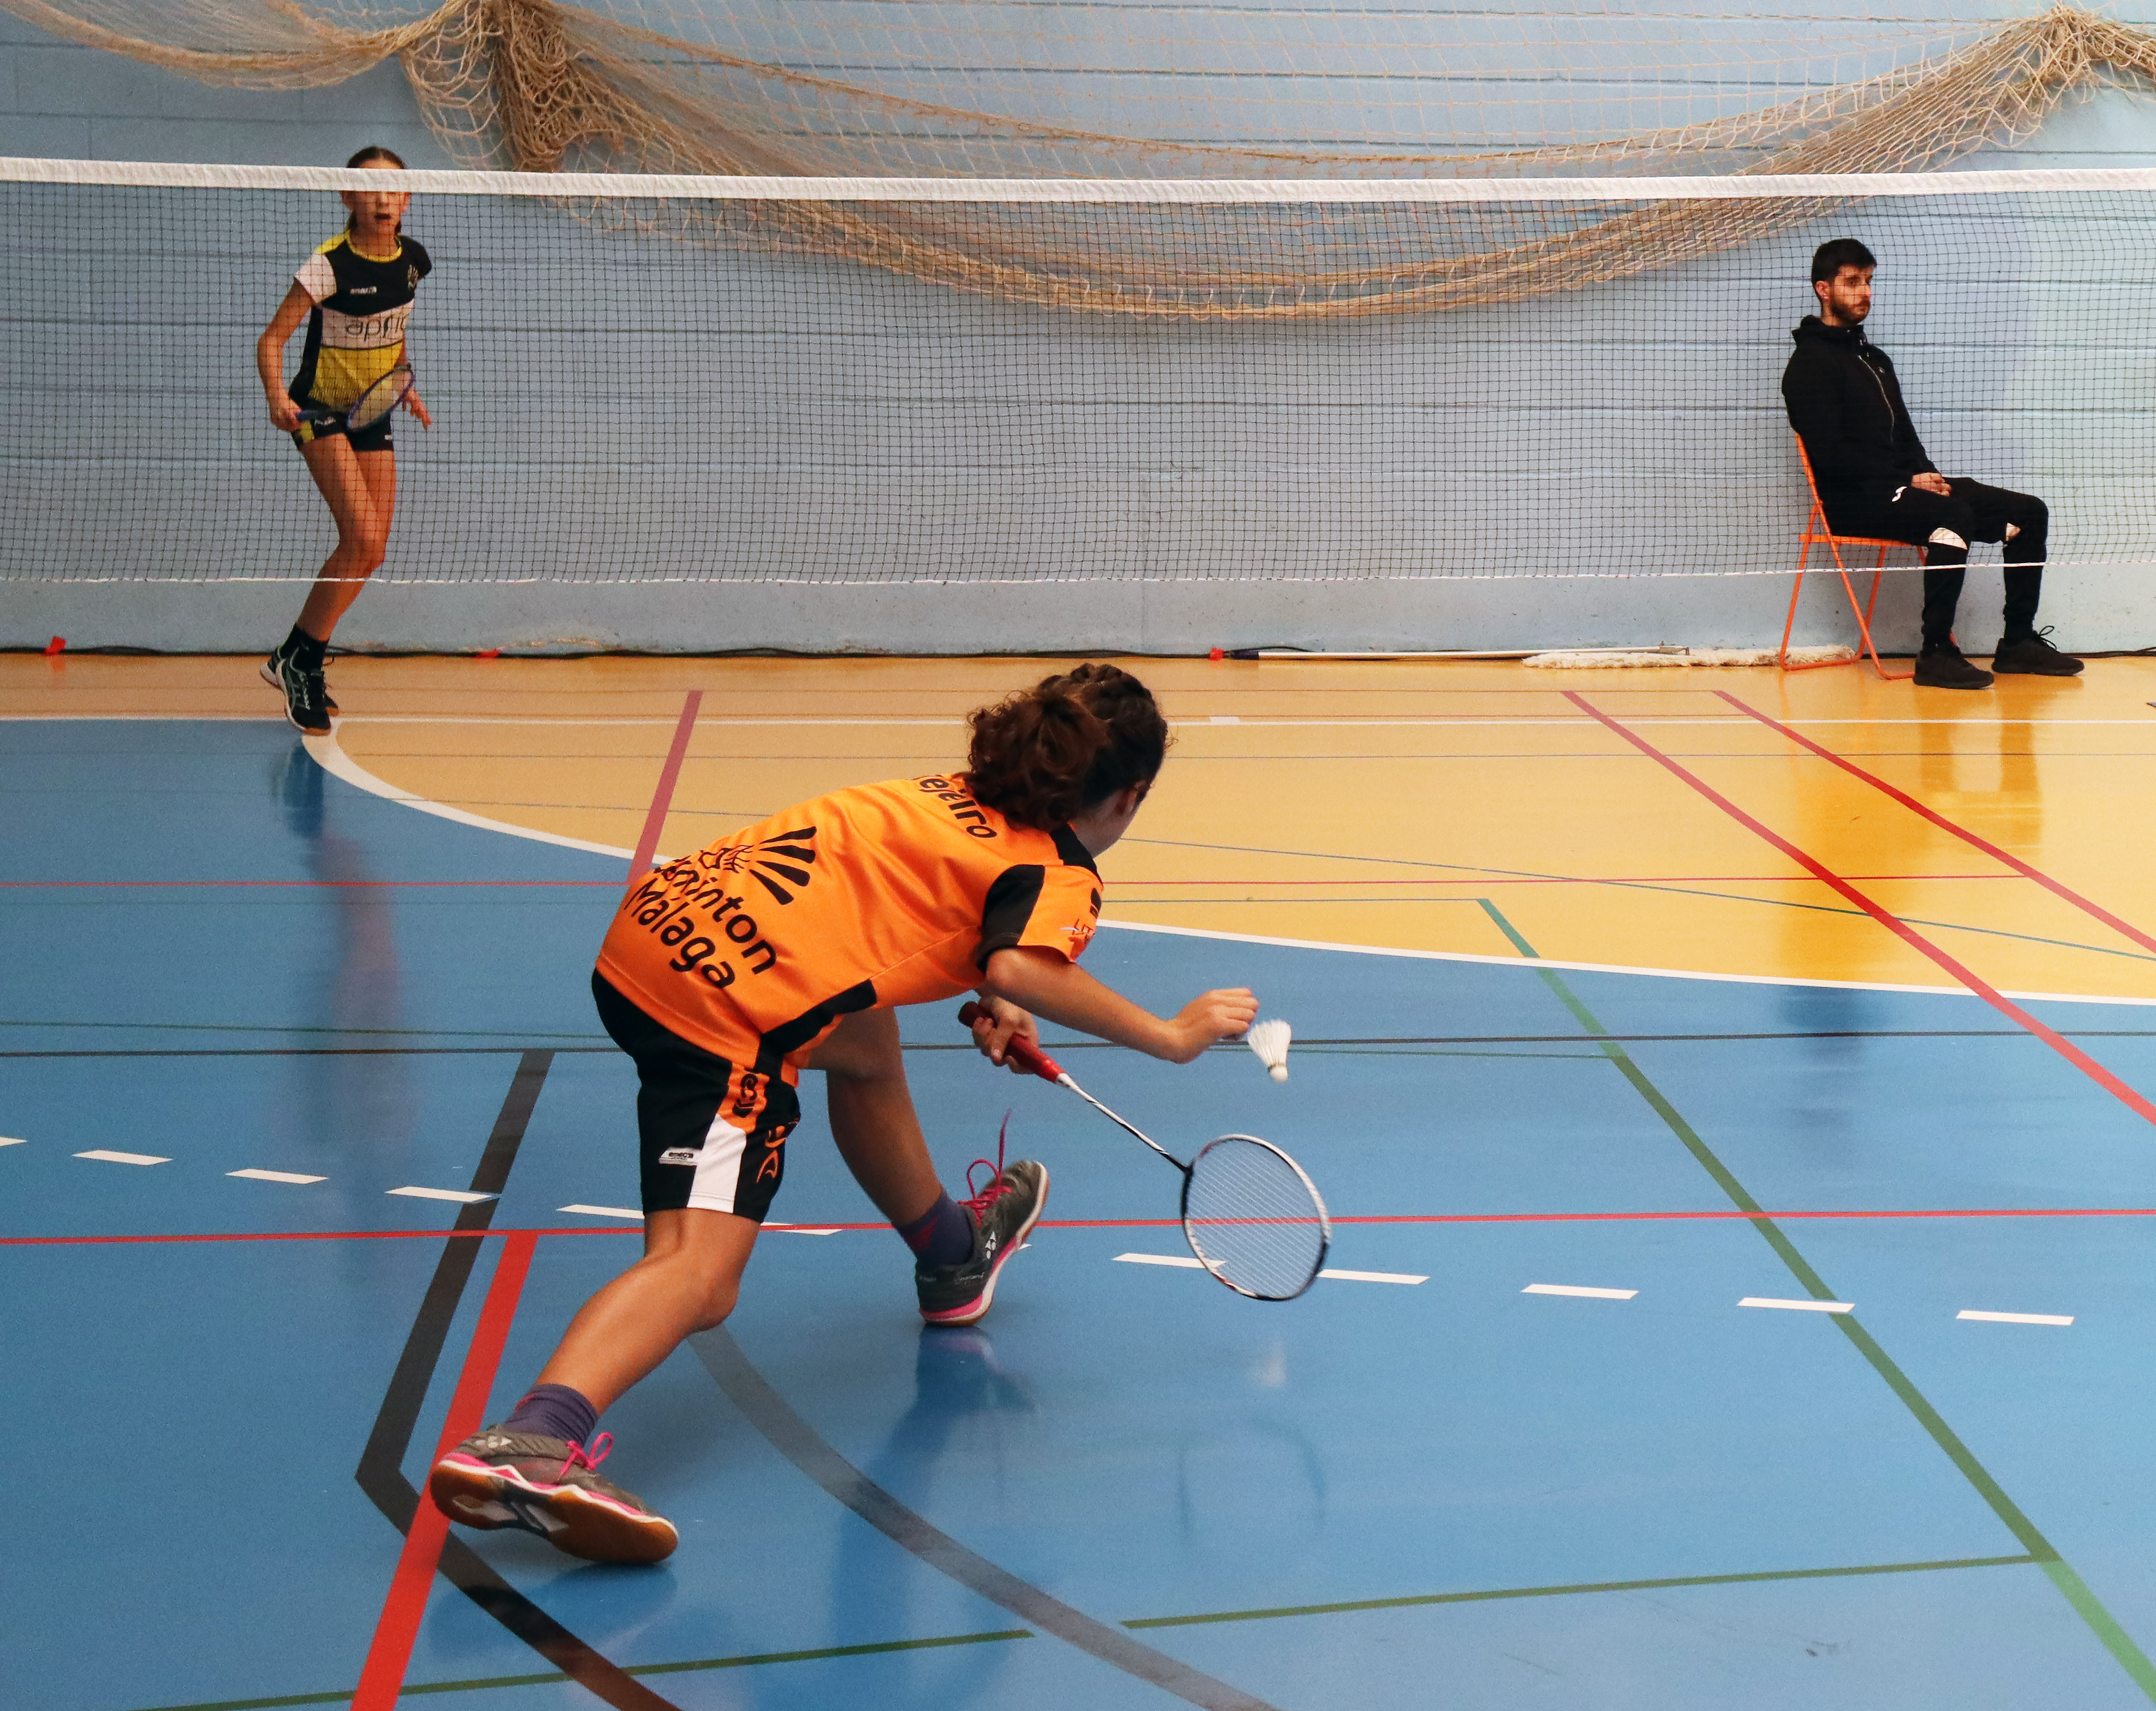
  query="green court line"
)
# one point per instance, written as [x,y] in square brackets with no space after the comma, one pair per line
[2070,1586]
[749,1660]
[1254,1616]
[552,1677]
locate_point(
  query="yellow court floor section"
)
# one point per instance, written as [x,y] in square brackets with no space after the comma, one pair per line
[1820,826]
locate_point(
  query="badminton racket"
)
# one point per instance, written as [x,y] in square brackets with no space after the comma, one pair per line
[377,401]
[1251,1213]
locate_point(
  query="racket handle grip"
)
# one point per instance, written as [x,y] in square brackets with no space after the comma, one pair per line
[1019,1049]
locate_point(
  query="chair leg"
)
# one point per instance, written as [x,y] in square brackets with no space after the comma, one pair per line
[1789,624]
[1864,618]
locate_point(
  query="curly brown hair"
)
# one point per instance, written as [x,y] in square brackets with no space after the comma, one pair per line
[1070,742]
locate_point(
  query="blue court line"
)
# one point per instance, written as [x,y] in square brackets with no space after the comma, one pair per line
[2041,1549]
[753,1660]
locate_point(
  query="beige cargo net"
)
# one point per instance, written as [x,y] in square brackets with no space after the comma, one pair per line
[536,85]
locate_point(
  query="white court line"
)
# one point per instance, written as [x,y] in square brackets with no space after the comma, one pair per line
[337,763]
[275,1176]
[819,1229]
[1579,1289]
[334,760]
[1372,1277]
[1798,1306]
[1161,1260]
[12,1141]
[2016,1318]
[459,1195]
[603,1211]
[1515,962]
[100,1153]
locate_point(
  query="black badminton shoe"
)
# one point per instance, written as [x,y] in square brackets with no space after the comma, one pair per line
[1003,1216]
[307,703]
[1941,665]
[2034,655]
[498,1478]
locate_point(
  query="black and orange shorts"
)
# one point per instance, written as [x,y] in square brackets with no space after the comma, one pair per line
[709,1135]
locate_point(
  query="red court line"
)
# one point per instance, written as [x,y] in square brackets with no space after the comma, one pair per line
[654,822]
[1893,924]
[1568,879]
[2084,904]
[1118,1224]
[390,1653]
[333,884]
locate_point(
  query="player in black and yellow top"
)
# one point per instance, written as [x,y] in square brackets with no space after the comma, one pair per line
[784,947]
[355,293]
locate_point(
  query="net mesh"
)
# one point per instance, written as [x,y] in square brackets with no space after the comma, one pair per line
[1254,1219]
[613,408]
[820,87]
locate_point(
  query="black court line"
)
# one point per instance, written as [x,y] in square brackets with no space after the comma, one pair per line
[381,1471]
[1316,1046]
[804,1447]
[311,1051]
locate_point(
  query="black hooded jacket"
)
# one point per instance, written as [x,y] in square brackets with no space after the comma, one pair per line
[1847,405]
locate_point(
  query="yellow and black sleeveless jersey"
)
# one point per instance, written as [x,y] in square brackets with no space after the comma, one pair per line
[362,306]
[879,895]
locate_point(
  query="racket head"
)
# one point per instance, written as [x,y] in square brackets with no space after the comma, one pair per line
[1255,1219]
[379,400]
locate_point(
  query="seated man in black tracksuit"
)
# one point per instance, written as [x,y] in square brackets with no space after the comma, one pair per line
[1873,478]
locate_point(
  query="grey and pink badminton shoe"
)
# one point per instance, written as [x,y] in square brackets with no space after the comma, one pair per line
[1003,1216]
[498,1478]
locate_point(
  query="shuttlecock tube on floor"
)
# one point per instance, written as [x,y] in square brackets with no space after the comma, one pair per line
[1269,1040]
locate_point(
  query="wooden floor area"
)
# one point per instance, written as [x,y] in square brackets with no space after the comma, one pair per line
[1651,819]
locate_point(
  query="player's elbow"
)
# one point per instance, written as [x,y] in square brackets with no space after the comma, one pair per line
[1019,973]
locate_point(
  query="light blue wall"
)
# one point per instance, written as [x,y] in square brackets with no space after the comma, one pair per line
[1243,497]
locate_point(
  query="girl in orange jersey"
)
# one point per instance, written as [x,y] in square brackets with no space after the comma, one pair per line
[784,947]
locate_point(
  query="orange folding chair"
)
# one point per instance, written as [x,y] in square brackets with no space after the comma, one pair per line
[1817,532]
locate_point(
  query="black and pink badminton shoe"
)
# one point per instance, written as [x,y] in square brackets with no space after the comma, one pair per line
[498,1478]
[1003,1216]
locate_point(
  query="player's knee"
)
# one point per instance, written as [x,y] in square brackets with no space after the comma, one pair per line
[718,1304]
[2034,517]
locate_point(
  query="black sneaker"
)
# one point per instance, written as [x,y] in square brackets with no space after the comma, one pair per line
[1003,1216]
[307,701]
[1944,667]
[273,671]
[497,1478]
[2034,655]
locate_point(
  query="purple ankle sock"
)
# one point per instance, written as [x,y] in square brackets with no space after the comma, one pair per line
[941,1235]
[554,1411]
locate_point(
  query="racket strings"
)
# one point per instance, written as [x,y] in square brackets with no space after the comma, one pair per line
[1253,1217]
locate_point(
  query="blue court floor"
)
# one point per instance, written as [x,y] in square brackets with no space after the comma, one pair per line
[1128,1489]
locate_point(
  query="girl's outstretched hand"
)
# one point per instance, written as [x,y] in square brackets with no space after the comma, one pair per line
[1212,1016]
[998,1021]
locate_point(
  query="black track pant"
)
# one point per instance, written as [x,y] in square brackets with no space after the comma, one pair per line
[1943,526]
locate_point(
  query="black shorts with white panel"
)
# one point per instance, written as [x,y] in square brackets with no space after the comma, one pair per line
[691,1157]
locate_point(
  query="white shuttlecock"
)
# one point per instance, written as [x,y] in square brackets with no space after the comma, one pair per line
[1269,1040]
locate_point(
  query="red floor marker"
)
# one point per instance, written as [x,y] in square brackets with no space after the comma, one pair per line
[390,1654]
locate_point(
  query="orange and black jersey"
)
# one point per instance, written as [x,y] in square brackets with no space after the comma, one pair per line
[362,307]
[880,895]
